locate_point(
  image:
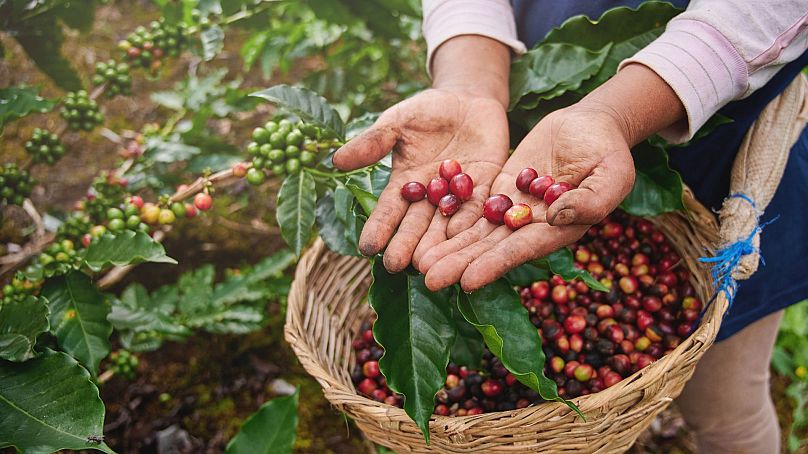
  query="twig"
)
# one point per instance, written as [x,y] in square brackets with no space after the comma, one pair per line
[103,378]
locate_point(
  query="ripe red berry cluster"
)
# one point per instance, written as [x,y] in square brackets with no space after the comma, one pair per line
[447,191]
[592,340]
[542,187]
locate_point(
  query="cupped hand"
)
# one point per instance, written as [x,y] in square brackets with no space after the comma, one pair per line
[581,145]
[422,131]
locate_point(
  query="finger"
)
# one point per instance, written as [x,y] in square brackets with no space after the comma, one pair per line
[449,269]
[366,148]
[470,211]
[596,196]
[528,243]
[383,220]
[478,231]
[415,223]
[435,234]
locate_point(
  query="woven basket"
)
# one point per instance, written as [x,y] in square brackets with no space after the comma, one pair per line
[327,305]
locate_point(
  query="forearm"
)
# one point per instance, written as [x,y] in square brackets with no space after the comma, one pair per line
[473,64]
[640,101]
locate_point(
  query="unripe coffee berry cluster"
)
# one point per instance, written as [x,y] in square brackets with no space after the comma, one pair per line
[124,364]
[147,47]
[447,191]
[58,258]
[591,339]
[44,147]
[81,112]
[15,184]
[19,289]
[282,148]
[115,75]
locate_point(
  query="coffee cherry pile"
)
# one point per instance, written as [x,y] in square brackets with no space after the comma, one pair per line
[544,187]
[115,75]
[44,147]
[447,191]
[282,149]
[591,339]
[147,47]
[124,364]
[15,184]
[81,112]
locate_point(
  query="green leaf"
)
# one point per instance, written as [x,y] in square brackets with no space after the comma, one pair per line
[657,188]
[17,102]
[269,430]
[358,125]
[366,200]
[125,248]
[295,212]
[20,324]
[550,70]
[212,42]
[562,263]
[526,274]
[333,230]
[165,151]
[627,30]
[497,313]
[373,180]
[308,105]
[48,404]
[42,42]
[468,345]
[137,311]
[78,318]
[196,289]
[416,330]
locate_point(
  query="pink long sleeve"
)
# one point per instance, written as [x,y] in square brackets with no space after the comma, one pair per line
[445,19]
[722,50]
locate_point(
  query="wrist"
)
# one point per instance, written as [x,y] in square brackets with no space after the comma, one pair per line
[473,65]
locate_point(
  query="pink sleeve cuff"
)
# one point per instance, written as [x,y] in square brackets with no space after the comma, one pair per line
[445,19]
[703,68]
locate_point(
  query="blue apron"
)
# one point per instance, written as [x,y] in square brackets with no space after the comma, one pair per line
[705,167]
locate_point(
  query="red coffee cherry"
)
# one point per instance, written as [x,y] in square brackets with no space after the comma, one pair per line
[518,216]
[437,188]
[525,177]
[462,186]
[413,191]
[539,186]
[449,204]
[555,191]
[203,201]
[495,207]
[449,168]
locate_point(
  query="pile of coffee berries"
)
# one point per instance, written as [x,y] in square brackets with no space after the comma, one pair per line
[447,191]
[81,112]
[115,75]
[591,339]
[124,364]
[282,148]
[147,47]
[544,187]
[44,147]
[15,184]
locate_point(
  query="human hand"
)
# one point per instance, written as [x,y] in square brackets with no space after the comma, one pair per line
[584,145]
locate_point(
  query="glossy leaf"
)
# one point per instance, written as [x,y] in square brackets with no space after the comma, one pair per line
[308,105]
[212,42]
[17,102]
[125,248]
[136,310]
[365,199]
[20,324]
[332,230]
[468,345]
[497,313]
[48,404]
[416,329]
[270,430]
[657,188]
[526,274]
[562,263]
[295,213]
[78,318]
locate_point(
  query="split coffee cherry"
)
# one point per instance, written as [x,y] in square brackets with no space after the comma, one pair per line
[449,168]
[525,177]
[539,186]
[554,192]
[462,186]
[518,216]
[413,191]
[449,204]
[495,207]
[437,188]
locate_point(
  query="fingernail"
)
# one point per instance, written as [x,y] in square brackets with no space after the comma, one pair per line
[564,216]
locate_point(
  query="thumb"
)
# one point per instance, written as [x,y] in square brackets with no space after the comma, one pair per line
[597,195]
[367,148]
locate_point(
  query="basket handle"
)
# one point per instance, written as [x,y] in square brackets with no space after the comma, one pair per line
[756,174]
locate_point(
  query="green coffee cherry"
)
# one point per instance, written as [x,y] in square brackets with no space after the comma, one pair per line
[80,111]
[45,147]
[15,184]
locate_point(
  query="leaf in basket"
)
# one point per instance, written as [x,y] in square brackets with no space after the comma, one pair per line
[657,188]
[561,262]
[416,329]
[497,313]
